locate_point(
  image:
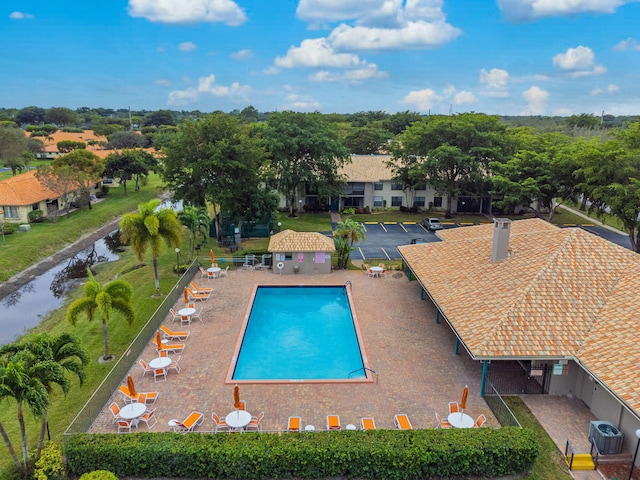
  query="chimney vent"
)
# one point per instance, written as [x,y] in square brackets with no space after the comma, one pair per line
[501,231]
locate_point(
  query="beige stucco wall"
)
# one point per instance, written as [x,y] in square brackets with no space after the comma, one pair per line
[308,264]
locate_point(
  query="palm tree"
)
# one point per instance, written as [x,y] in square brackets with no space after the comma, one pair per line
[115,295]
[65,351]
[197,221]
[346,234]
[148,228]
[19,379]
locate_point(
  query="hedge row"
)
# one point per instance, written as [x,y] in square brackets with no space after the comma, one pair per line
[389,454]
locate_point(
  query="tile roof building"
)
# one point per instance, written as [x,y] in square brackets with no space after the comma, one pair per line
[558,296]
[301,252]
[23,193]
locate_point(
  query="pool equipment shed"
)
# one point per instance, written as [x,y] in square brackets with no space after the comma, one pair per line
[301,252]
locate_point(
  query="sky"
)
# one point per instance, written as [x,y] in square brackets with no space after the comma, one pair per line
[503,57]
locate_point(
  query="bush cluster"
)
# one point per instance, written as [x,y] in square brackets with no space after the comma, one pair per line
[35,216]
[389,454]
[8,228]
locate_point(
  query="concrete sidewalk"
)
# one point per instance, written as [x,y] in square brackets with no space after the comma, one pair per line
[592,220]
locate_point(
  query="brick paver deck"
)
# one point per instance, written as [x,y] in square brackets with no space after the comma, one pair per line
[414,357]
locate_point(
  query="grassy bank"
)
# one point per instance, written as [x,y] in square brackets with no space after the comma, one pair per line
[23,249]
[64,408]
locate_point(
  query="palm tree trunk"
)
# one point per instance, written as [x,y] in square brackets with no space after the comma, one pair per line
[23,433]
[43,429]
[155,272]
[9,445]
[105,338]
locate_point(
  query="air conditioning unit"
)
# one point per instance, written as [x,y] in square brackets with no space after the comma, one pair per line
[606,436]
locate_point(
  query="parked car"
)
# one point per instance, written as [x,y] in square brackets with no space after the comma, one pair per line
[415,241]
[432,224]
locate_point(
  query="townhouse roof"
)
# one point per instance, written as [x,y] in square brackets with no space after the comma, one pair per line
[24,189]
[290,241]
[561,293]
[367,168]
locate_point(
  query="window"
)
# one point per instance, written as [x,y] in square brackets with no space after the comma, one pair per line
[419,201]
[355,188]
[377,201]
[378,185]
[437,201]
[35,206]
[422,185]
[288,256]
[396,186]
[396,201]
[10,212]
[356,202]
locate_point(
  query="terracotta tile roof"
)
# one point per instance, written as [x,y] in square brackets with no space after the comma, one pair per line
[24,189]
[367,168]
[290,241]
[561,293]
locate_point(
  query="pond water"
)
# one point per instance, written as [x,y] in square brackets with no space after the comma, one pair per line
[29,305]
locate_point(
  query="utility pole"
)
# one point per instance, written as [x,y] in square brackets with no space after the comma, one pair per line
[130,122]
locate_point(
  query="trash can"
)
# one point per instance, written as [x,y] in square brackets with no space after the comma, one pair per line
[266,260]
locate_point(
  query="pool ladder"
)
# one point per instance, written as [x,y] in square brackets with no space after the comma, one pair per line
[365,369]
[348,282]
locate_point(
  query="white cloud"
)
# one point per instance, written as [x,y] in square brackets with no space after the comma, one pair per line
[578,62]
[536,101]
[207,86]
[356,75]
[464,98]
[162,82]
[188,11]
[495,82]
[317,52]
[423,100]
[301,103]
[187,46]
[20,16]
[242,54]
[527,10]
[628,44]
[611,88]
[271,70]
[411,35]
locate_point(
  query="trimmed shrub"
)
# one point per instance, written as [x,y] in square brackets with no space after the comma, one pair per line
[50,465]
[35,216]
[8,228]
[389,454]
[99,475]
[72,130]
[47,129]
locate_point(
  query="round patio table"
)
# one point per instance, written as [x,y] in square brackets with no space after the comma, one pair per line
[460,420]
[238,419]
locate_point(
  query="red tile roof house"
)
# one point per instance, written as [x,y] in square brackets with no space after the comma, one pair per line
[23,193]
[563,303]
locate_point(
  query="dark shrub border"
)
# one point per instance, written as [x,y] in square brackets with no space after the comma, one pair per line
[388,454]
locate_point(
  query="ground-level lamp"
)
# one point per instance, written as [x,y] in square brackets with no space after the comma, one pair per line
[635,455]
[177,257]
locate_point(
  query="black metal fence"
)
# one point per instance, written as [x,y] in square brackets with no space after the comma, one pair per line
[519,377]
[500,409]
[105,390]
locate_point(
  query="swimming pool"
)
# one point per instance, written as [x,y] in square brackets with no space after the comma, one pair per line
[299,334]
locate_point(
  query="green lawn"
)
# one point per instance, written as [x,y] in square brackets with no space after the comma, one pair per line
[32,166]
[23,249]
[605,218]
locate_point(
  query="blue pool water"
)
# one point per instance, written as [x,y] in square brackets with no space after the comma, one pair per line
[300,333]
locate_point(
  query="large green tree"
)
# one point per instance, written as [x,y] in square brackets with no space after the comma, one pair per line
[102,300]
[305,151]
[62,116]
[86,166]
[218,161]
[147,229]
[455,151]
[124,166]
[12,144]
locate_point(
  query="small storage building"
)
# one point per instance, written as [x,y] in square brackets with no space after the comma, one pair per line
[301,252]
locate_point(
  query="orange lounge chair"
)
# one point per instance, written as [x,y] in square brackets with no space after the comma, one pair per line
[171,335]
[191,422]
[401,421]
[367,423]
[480,421]
[202,290]
[203,297]
[174,348]
[333,422]
[294,424]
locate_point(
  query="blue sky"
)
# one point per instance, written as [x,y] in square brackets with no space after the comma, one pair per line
[506,57]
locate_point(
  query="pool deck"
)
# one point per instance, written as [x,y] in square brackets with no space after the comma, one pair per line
[419,374]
